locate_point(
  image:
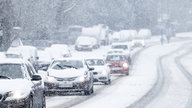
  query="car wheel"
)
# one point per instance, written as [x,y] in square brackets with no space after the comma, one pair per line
[127,73]
[88,90]
[29,102]
[44,102]
[108,82]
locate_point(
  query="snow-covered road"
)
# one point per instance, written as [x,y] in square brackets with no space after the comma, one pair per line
[128,89]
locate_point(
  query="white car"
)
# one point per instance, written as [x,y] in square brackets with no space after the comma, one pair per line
[101,72]
[122,46]
[138,42]
[61,49]
[84,43]
[125,47]
[111,51]
[69,75]
[21,86]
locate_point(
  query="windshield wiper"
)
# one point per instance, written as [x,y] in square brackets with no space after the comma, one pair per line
[70,66]
[4,77]
[60,66]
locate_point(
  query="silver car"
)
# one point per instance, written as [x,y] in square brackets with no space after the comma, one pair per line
[69,75]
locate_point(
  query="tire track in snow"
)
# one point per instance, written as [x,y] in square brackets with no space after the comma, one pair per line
[187,74]
[160,82]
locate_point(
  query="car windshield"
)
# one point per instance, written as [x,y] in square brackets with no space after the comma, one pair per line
[63,64]
[13,71]
[115,58]
[95,62]
[124,47]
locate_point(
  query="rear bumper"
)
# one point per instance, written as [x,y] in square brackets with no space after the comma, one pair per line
[120,71]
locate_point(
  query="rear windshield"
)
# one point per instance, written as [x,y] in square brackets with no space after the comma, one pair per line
[95,62]
[124,47]
[115,58]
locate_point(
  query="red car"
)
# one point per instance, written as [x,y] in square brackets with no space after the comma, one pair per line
[118,63]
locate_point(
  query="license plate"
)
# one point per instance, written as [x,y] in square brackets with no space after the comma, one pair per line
[115,68]
[65,84]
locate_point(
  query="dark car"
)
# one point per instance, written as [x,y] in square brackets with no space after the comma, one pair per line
[118,63]
[21,86]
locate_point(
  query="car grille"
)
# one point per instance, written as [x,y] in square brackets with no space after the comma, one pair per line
[66,79]
[1,97]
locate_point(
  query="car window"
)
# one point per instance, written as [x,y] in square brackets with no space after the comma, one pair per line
[115,58]
[31,70]
[124,47]
[95,62]
[13,71]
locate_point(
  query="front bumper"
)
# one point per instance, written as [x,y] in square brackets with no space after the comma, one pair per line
[21,103]
[74,87]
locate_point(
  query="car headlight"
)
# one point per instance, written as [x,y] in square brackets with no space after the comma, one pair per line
[125,65]
[50,79]
[16,95]
[104,72]
[81,78]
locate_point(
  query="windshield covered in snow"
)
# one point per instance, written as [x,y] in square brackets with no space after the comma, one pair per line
[63,64]
[11,70]
[95,62]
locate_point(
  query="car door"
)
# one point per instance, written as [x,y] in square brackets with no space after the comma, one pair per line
[37,87]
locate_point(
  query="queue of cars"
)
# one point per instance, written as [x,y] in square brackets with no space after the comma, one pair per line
[23,86]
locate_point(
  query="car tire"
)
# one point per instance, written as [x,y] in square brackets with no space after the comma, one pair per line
[127,73]
[88,90]
[108,82]
[29,102]
[44,102]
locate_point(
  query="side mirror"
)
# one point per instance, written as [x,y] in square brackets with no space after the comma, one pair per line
[36,78]
[37,58]
[44,68]
[91,68]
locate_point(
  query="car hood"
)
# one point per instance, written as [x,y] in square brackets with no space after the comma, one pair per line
[8,85]
[66,73]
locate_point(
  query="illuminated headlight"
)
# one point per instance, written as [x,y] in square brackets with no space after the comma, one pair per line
[16,95]
[125,65]
[50,79]
[104,72]
[90,46]
[81,78]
